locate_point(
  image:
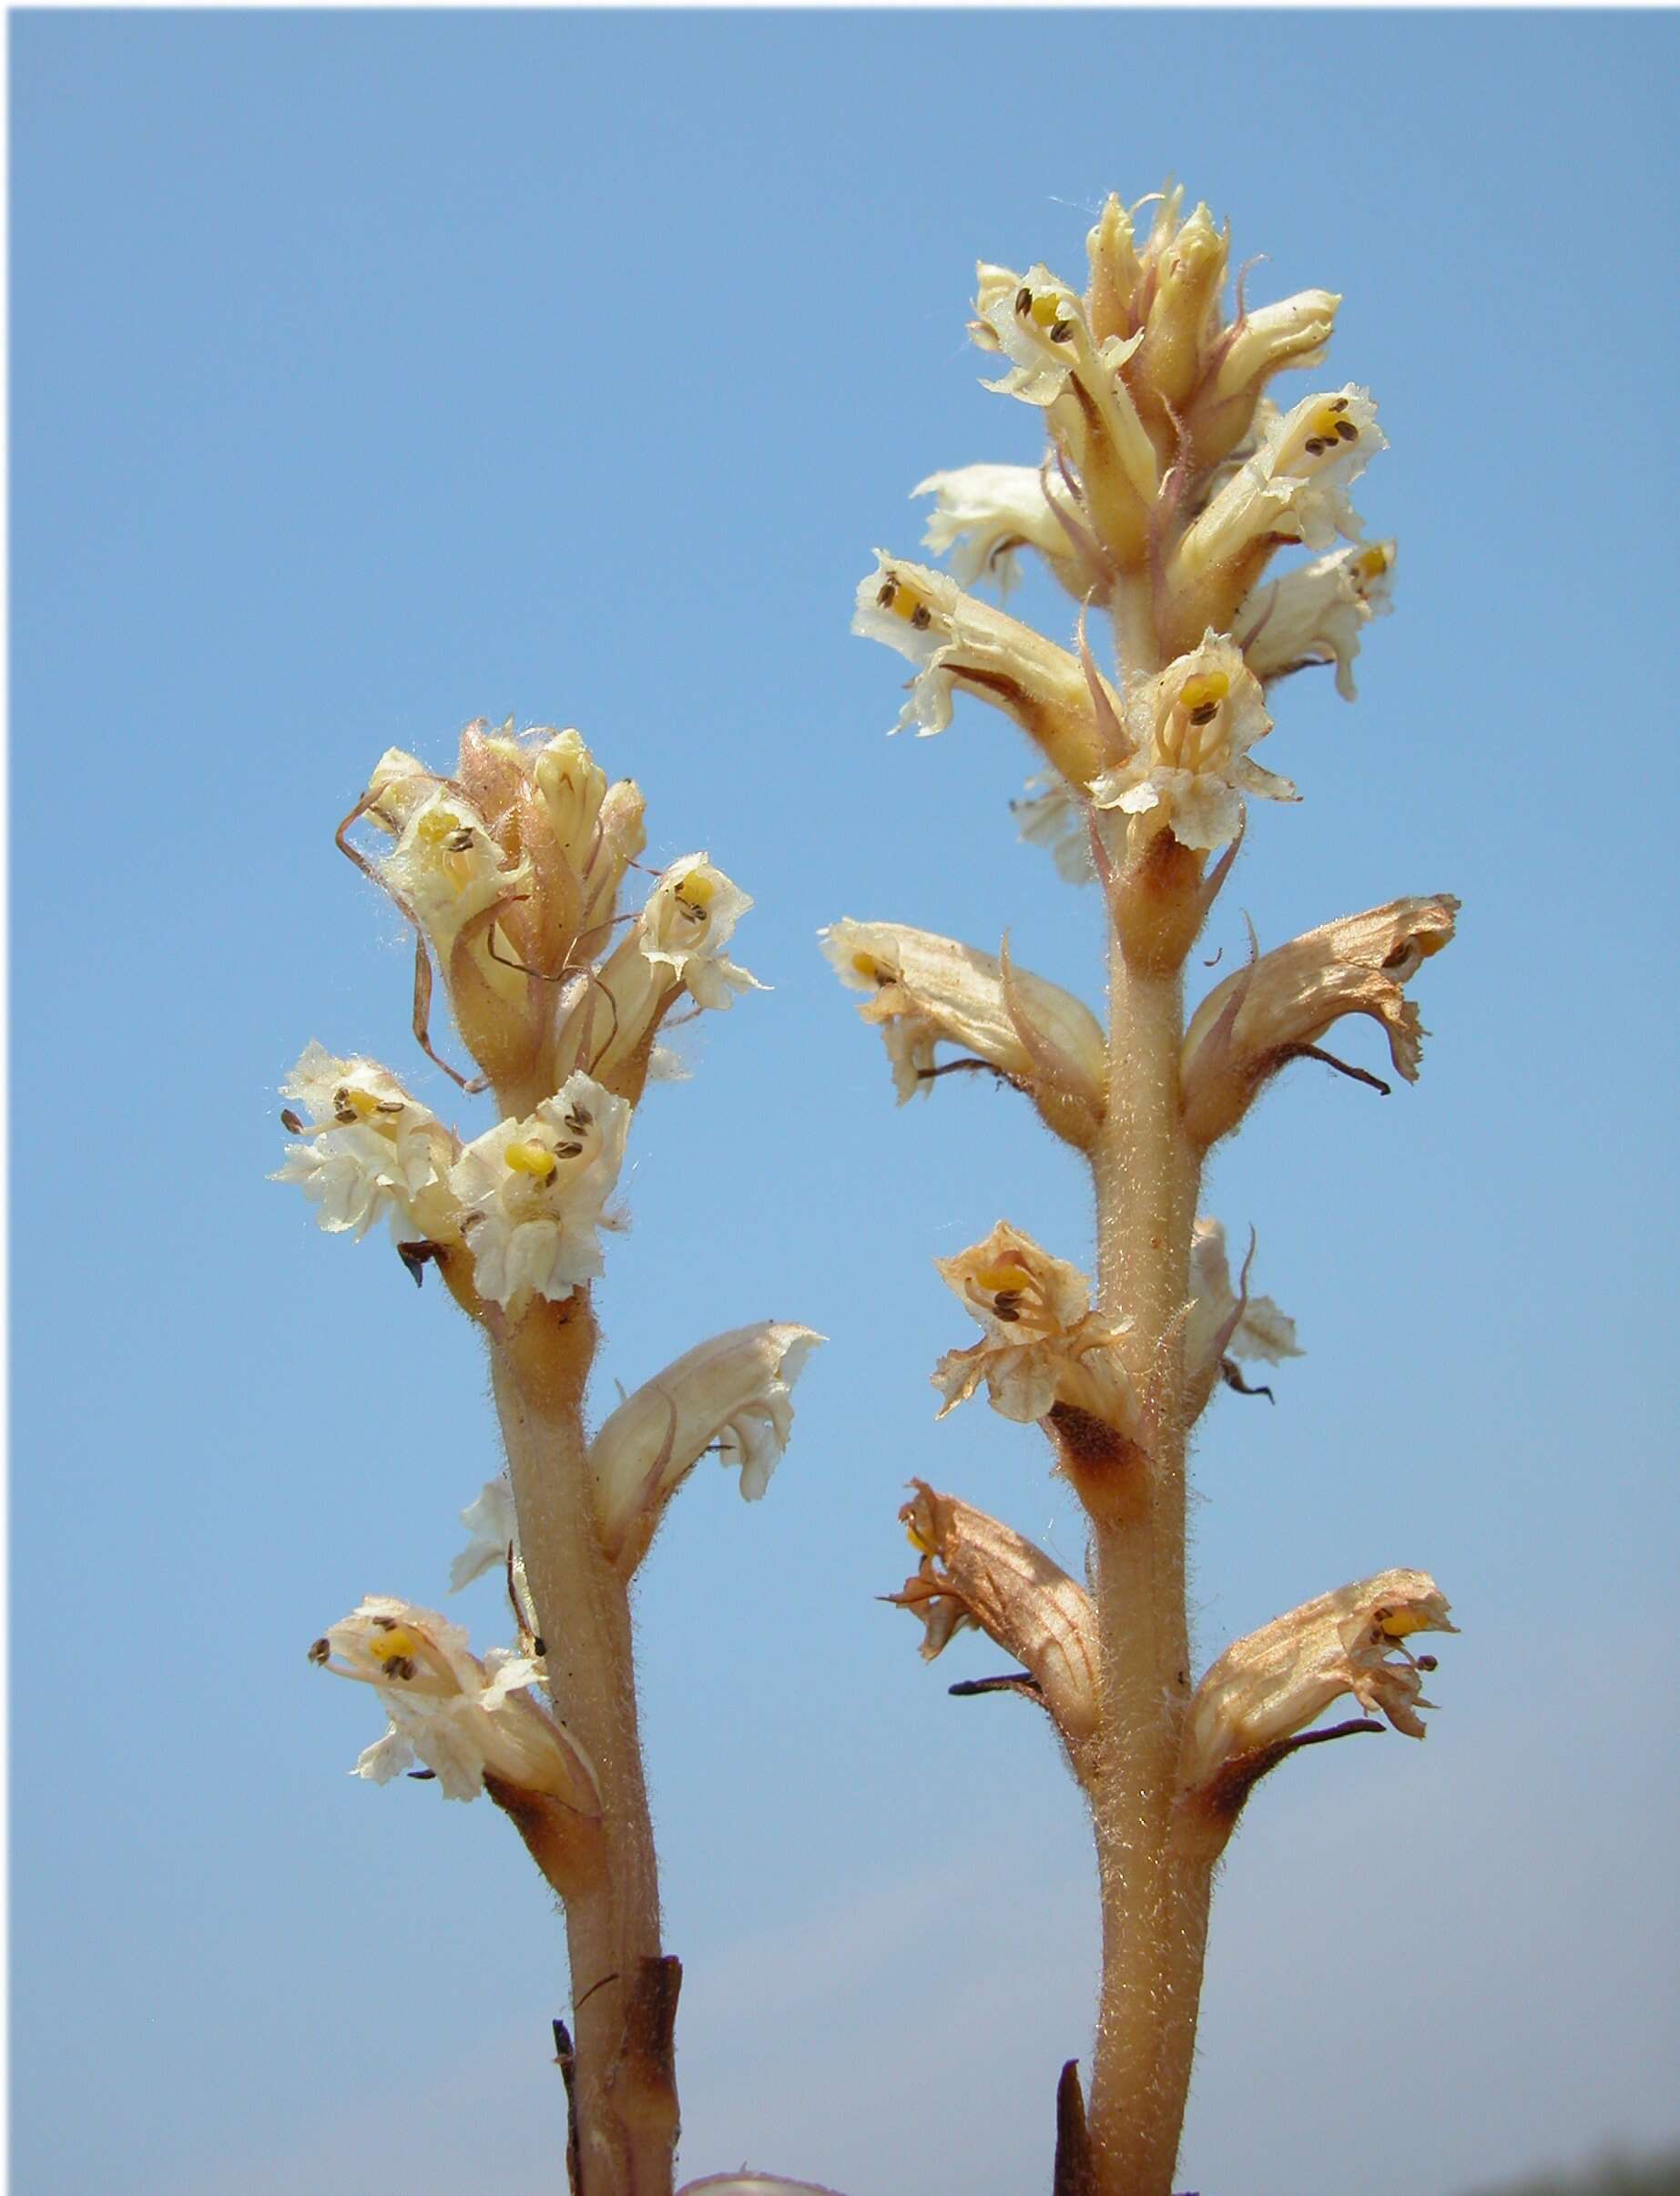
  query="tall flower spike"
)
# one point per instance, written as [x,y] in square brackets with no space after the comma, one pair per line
[955,641]
[379,1154]
[1269,1687]
[921,989]
[1042,1343]
[733,1393]
[465,1718]
[1278,1008]
[532,1194]
[1192,728]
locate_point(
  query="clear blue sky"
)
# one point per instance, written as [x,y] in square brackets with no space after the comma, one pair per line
[375,371]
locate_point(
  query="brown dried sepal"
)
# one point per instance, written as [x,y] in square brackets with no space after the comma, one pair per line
[975,1571]
[569,1848]
[1107,1468]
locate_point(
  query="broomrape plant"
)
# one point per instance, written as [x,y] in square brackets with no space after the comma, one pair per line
[1171,483]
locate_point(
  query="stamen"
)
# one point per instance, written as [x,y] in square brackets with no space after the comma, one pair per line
[533,1159]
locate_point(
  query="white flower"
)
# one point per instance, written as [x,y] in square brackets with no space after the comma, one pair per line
[449,869]
[1051,817]
[1317,615]
[380,1152]
[1223,1325]
[984,513]
[1043,1345]
[733,1392]
[532,1193]
[1295,485]
[689,917]
[465,1718]
[1192,728]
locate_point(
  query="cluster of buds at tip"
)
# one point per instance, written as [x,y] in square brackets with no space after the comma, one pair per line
[1255,1705]
[978,1574]
[921,991]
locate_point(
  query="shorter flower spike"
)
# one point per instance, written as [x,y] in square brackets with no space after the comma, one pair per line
[531,1192]
[734,1393]
[1271,1685]
[1043,1345]
[466,1719]
[1278,1008]
[922,990]
[975,1572]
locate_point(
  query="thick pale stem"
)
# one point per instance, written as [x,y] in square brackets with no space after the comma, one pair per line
[583,1617]
[1155,1894]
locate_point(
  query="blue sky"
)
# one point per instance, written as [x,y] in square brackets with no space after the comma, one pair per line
[372,373]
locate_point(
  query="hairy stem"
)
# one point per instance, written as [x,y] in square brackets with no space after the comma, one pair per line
[583,1612]
[1155,1896]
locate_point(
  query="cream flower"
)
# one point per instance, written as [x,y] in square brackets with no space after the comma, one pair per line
[448,867]
[733,1393]
[381,1152]
[1051,816]
[921,989]
[1275,1682]
[689,917]
[1192,726]
[1317,615]
[491,1521]
[1293,486]
[954,641]
[1222,1325]
[532,1193]
[1042,1346]
[465,1718]
[1056,363]
[985,514]
[1278,1008]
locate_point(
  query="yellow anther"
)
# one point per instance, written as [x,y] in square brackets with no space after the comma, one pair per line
[436,825]
[387,1646]
[362,1103]
[1006,1278]
[905,602]
[1375,561]
[866,964]
[921,1546]
[698,888]
[1207,690]
[1049,307]
[1327,419]
[1398,1623]
[532,1159]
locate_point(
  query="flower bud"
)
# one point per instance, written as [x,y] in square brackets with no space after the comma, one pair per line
[1279,1006]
